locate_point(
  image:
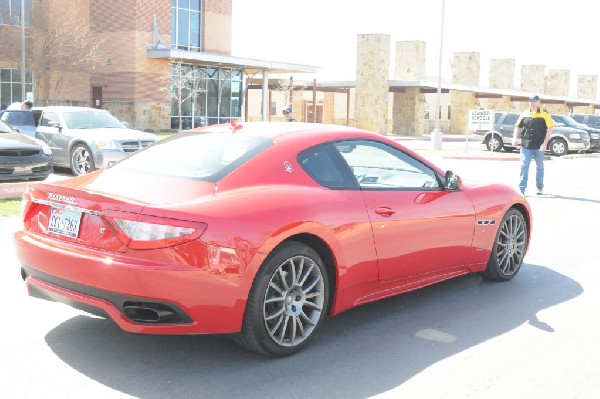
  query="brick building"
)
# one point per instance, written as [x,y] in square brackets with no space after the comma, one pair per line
[146,61]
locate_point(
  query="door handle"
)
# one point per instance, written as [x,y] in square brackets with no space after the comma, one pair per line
[384,211]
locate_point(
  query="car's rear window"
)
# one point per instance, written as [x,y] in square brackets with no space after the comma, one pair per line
[199,156]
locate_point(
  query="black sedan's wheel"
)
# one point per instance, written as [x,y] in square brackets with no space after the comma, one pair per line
[287,302]
[82,161]
[558,147]
[494,142]
[509,248]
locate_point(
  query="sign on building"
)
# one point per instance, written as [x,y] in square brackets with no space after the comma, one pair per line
[481,119]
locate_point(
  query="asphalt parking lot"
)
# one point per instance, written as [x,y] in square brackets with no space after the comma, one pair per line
[533,337]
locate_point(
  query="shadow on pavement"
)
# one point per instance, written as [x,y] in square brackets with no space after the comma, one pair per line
[362,352]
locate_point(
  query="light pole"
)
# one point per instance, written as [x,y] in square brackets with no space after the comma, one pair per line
[436,135]
[23,75]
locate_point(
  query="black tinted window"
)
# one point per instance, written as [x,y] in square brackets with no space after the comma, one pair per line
[320,163]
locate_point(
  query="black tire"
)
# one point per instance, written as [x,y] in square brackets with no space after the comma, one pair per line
[287,302]
[510,246]
[82,160]
[494,141]
[509,149]
[558,147]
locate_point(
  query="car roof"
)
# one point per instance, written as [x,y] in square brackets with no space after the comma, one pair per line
[275,130]
[67,108]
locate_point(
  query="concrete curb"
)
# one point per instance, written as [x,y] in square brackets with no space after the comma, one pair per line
[12,190]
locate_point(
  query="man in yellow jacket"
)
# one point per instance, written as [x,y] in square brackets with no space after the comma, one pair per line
[534,127]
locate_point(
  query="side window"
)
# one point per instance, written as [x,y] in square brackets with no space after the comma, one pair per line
[511,119]
[323,164]
[378,166]
[48,117]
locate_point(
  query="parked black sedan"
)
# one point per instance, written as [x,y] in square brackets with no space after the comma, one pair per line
[23,157]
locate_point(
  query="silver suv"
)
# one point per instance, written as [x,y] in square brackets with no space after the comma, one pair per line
[85,139]
[563,140]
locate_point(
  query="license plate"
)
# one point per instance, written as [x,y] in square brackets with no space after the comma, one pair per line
[64,222]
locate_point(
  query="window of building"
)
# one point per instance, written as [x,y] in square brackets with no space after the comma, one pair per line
[186,17]
[209,96]
[10,12]
[10,86]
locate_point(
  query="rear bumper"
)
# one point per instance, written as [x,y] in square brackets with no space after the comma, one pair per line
[196,300]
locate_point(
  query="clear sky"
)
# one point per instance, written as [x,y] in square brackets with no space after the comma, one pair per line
[557,34]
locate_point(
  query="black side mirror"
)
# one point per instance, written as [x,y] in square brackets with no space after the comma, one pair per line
[452,181]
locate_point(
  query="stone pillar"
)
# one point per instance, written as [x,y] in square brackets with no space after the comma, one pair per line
[372,73]
[502,76]
[557,84]
[465,71]
[409,107]
[533,78]
[410,60]
[329,107]
[409,112]
[587,86]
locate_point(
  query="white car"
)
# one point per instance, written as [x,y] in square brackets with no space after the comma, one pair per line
[85,139]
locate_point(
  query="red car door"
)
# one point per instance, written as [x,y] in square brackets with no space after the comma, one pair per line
[419,232]
[418,226]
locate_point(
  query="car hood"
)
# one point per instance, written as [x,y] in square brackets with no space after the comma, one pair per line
[566,129]
[112,133]
[17,140]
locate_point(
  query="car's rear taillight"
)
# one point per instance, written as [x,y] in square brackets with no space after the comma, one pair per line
[151,232]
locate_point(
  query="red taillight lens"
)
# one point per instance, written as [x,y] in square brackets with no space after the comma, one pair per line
[151,232]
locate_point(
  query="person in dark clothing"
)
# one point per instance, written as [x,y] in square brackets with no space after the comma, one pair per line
[534,127]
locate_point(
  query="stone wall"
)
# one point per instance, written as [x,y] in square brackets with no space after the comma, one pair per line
[372,72]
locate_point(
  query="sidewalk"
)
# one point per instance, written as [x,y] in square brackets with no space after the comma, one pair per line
[454,146]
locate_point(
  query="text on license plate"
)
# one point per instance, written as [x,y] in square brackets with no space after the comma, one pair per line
[64,222]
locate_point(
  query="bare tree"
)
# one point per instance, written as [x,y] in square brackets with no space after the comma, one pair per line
[56,50]
[186,82]
[288,87]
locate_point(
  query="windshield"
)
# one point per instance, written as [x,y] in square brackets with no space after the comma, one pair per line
[200,156]
[91,120]
[4,128]
[567,120]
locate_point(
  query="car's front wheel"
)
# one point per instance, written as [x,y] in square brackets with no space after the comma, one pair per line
[509,248]
[82,161]
[287,302]
[558,147]
[494,142]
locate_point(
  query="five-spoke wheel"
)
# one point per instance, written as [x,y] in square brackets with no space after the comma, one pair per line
[82,160]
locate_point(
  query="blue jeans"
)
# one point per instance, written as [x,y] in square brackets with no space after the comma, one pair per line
[526,155]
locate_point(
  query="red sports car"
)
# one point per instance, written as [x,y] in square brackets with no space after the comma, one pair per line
[259,230]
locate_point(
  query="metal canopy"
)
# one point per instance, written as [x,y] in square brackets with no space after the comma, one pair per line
[250,65]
